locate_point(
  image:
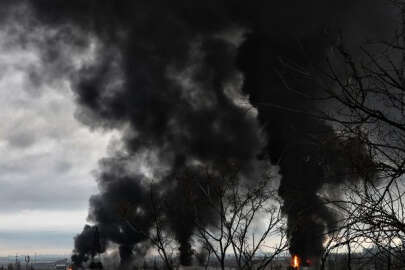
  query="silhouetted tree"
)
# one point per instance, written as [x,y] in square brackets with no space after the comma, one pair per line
[364,88]
[249,215]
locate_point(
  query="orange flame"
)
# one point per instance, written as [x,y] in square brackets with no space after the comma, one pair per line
[295,262]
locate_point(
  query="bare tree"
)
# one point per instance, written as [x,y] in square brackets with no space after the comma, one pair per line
[158,235]
[365,86]
[363,97]
[375,220]
[239,208]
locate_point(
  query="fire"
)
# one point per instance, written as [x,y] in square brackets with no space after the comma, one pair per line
[295,262]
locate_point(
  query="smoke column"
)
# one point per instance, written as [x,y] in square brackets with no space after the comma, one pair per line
[167,73]
[307,150]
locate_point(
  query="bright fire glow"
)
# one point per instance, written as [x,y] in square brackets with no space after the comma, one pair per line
[295,262]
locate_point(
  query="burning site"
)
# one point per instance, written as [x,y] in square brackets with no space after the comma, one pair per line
[247,134]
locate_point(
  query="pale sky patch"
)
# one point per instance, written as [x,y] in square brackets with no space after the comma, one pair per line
[47,159]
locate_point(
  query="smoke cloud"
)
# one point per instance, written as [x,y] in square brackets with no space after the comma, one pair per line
[176,78]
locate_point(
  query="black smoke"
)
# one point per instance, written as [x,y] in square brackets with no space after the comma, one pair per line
[168,97]
[113,209]
[166,74]
[88,244]
[310,154]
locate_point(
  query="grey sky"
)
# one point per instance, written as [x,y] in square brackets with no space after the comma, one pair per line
[46,159]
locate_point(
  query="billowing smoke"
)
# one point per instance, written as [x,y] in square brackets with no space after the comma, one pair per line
[168,75]
[307,150]
[109,210]
[167,81]
[88,244]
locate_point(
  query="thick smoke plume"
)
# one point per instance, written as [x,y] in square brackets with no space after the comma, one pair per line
[167,74]
[88,244]
[307,150]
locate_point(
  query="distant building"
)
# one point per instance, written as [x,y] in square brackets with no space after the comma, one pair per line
[61,264]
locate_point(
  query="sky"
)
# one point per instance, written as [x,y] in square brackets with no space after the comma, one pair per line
[47,159]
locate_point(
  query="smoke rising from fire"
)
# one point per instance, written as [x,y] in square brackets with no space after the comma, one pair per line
[167,75]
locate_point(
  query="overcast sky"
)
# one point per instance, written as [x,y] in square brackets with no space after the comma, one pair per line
[47,158]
